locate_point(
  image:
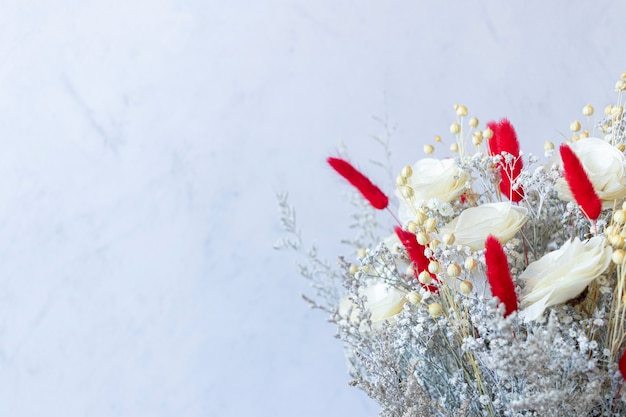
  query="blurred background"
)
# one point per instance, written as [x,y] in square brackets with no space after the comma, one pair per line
[144,143]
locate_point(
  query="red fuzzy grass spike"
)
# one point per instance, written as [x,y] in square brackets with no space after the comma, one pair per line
[372,193]
[499,275]
[415,251]
[504,139]
[579,183]
[622,366]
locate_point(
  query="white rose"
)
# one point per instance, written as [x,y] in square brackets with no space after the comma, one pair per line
[562,275]
[383,301]
[433,179]
[604,165]
[474,224]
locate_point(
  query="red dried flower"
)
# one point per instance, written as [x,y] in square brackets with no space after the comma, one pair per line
[579,183]
[371,192]
[504,139]
[622,365]
[499,276]
[415,251]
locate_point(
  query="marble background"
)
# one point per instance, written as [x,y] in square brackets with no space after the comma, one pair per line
[143,144]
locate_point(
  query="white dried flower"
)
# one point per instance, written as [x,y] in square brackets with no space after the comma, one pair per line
[382,301]
[604,164]
[562,274]
[433,179]
[474,224]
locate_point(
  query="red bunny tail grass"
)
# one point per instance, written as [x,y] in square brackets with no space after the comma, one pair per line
[415,251]
[499,275]
[372,193]
[579,183]
[504,139]
[622,366]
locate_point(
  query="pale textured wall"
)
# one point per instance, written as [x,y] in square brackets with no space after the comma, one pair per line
[143,143]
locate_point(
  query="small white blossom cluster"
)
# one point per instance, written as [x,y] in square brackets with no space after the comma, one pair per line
[427,326]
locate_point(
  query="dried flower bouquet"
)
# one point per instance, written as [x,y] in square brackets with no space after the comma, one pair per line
[502,289]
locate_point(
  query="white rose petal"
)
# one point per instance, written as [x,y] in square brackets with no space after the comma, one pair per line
[604,165]
[562,275]
[474,224]
[383,301]
[433,179]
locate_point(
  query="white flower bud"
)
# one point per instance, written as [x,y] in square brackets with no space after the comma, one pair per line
[430,224]
[434,267]
[448,238]
[471,264]
[453,270]
[424,277]
[435,310]
[423,238]
[414,298]
[618,257]
[574,126]
[465,287]
[548,146]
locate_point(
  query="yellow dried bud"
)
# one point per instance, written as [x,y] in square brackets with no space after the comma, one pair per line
[361,252]
[617,111]
[477,138]
[611,229]
[425,278]
[619,216]
[429,149]
[422,238]
[430,224]
[437,138]
[412,227]
[616,240]
[455,128]
[548,146]
[433,244]
[406,191]
[623,75]
[461,110]
[584,134]
[473,122]
[471,264]
[454,147]
[448,238]
[400,180]
[574,126]
[414,298]
[588,110]
[453,270]
[353,269]
[420,218]
[608,110]
[407,171]
[435,310]
[487,133]
[434,267]
[466,287]
[620,147]
[620,85]
[618,257]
